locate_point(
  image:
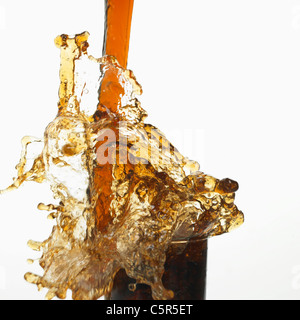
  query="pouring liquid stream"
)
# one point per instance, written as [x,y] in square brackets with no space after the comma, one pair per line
[128,203]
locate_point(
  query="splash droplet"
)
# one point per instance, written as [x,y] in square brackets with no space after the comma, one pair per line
[123,199]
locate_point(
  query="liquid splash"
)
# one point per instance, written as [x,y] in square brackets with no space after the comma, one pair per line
[123,191]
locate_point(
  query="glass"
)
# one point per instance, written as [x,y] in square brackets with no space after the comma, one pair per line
[185,274]
[127,199]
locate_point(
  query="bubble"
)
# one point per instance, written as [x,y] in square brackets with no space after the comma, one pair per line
[116,214]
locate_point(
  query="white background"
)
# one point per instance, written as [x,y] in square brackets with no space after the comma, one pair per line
[225,73]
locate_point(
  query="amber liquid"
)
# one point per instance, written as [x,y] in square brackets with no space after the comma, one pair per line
[142,208]
[185,275]
[117,29]
[185,269]
[116,43]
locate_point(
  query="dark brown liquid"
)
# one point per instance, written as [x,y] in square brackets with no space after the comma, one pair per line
[137,215]
[185,275]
